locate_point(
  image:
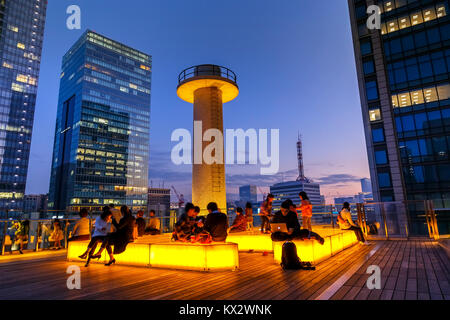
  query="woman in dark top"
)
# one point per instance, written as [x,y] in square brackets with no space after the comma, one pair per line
[120,238]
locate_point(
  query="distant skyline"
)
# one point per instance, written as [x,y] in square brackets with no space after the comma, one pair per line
[295,67]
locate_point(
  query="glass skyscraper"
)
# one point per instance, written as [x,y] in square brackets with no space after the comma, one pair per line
[101,147]
[21,34]
[403,73]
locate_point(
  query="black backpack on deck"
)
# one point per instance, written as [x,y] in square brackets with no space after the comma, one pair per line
[290,259]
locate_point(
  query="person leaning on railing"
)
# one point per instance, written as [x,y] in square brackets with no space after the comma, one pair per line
[249,216]
[345,222]
[266,214]
[306,209]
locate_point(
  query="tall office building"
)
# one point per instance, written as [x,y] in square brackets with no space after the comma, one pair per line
[403,73]
[248,194]
[290,191]
[366,185]
[101,148]
[21,34]
[159,200]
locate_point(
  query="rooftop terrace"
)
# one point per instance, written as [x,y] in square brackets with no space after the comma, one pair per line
[415,269]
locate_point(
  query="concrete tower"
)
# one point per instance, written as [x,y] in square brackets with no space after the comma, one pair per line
[208,87]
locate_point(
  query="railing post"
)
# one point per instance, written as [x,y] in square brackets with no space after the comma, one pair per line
[383,214]
[66,227]
[5,229]
[331,215]
[38,235]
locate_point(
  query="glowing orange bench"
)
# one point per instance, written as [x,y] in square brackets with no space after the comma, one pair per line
[312,251]
[251,241]
[171,255]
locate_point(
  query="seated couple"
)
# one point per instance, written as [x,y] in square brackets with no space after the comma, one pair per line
[192,228]
[154,225]
[287,227]
[120,238]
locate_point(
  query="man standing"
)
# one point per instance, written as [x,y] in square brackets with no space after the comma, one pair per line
[216,223]
[266,214]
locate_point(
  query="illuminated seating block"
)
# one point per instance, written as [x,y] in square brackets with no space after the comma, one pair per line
[172,255]
[137,254]
[312,251]
[255,242]
[197,257]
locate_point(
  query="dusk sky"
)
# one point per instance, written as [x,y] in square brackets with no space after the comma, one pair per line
[296,72]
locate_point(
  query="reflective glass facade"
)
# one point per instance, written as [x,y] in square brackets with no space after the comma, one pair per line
[21,34]
[404,75]
[101,147]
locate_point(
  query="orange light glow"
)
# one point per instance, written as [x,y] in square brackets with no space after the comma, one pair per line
[255,242]
[312,251]
[197,257]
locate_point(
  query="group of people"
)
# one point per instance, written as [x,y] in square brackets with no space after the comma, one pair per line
[114,228]
[190,227]
[53,232]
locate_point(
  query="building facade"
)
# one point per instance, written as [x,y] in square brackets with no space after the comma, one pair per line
[248,194]
[101,147]
[159,200]
[35,203]
[366,185]
[21,35]
[403,73]
[290,190]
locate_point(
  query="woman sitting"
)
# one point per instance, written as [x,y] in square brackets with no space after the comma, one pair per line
[81,230]
[57,235]
[240,222]
[345,222]
[120,238]
[101,229]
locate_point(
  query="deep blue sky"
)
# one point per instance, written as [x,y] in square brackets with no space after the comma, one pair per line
[295,66]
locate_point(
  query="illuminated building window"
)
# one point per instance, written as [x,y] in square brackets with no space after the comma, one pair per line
[413,19]
[20,46]
[7,65]
[375,114]
[13,28]
[426,95]
[17,87]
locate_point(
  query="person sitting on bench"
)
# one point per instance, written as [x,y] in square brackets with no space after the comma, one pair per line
[293,231]
[154,225]
[240,222]
[216,223]
[345,222]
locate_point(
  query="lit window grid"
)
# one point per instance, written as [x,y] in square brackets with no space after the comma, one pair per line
[414,19]
[426,95]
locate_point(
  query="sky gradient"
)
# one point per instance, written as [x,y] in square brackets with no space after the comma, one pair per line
[296,72]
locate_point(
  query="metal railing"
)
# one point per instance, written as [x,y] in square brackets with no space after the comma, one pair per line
[392,220]
[207,70]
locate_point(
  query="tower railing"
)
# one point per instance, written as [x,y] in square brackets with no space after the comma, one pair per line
[206,70]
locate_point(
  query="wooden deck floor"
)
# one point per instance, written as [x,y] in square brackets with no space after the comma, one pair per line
[410,270]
